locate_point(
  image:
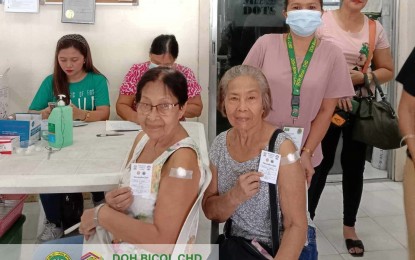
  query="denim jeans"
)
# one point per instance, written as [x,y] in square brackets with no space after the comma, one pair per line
[310,251]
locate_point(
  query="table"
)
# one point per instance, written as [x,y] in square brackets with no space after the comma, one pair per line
[91,164]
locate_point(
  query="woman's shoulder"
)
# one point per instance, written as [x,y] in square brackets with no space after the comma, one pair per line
[330,48]
[183,69]
[48,78]
[270,38]
[282,135]
[284,143]
[140,65]
[96,76]
[47,82]
[219,139]
[184,152]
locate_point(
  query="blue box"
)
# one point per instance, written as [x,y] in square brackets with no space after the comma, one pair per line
[27,126]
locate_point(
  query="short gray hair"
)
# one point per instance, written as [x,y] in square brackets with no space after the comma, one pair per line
[254,73]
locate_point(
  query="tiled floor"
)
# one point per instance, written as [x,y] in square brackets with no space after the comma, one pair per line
[380,224]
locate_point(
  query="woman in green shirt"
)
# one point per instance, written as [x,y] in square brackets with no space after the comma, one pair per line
[75,77]
[86,90]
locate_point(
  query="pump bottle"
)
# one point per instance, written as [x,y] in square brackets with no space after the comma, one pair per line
[60,126]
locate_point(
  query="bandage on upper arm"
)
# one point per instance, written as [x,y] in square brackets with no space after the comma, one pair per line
[181,173]
[290,158]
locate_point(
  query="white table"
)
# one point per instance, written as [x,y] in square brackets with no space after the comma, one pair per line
[91,164]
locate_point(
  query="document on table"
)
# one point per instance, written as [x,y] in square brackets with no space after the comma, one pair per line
[121,126]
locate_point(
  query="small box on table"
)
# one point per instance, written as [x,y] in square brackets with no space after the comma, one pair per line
[8,142]
[26,126]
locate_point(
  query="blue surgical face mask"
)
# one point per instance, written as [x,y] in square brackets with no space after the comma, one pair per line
[152,65]
[303,22]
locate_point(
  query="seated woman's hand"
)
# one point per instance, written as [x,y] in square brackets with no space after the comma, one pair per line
[246,187]
[77,113]
[88,225]
[119,199]
[45,112]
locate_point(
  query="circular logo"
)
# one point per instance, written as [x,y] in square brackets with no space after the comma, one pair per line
[58,256]
[69,14]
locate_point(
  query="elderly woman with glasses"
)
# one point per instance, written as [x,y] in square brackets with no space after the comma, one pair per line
[155,215]
[153,210]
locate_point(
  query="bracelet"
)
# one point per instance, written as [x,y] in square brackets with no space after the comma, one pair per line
[97,209]
[406,137]
[86,116]
[308,150]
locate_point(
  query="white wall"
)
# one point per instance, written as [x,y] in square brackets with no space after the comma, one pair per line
[120,37]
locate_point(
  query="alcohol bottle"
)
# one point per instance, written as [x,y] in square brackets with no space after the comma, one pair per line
[60,126]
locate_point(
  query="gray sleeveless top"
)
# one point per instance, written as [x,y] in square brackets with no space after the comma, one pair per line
[252,218]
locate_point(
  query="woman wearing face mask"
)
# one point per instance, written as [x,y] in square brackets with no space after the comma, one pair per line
[307,76]
[163,52]
[349,29]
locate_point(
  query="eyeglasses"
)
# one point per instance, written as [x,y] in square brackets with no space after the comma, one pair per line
[162,109]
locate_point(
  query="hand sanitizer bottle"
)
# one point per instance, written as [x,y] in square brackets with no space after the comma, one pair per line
[60,126]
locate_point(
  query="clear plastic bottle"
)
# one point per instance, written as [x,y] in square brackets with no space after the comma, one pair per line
[60,126]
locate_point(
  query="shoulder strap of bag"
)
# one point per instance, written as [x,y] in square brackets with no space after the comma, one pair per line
[273,201]
[273,205]
[372,36]
[378,88]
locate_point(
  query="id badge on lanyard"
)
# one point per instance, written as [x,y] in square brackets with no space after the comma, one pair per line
[296,133]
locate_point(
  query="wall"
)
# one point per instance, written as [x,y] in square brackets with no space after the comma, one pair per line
[120,37]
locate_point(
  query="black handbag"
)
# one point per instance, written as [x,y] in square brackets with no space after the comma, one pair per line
[72,207]
[376,122]
[233,247]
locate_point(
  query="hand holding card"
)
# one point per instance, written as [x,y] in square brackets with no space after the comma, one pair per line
[247,185]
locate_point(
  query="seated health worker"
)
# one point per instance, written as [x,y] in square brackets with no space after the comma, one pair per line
[157,214]
[236,190]
[86,90]
[163,52]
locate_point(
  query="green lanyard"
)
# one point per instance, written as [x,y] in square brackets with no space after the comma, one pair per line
[298,77]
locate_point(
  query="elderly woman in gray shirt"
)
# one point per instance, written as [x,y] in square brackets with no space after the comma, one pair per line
[236,190]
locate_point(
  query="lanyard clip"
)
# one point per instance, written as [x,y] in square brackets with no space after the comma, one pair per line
[295,100]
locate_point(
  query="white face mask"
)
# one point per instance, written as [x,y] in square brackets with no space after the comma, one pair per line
[303,22]
[152,65]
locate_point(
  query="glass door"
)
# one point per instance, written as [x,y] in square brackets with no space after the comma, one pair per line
[239,24]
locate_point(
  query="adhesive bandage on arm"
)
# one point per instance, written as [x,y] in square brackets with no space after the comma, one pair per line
[290,158]
[181,173]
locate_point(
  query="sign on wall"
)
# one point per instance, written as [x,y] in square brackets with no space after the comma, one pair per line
[78,11]
[259,13]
